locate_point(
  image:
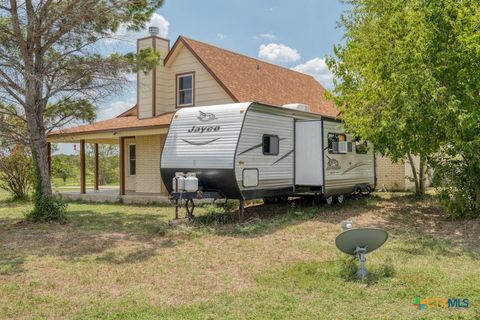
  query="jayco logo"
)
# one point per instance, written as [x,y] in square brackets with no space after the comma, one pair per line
[202,129]
[205,116]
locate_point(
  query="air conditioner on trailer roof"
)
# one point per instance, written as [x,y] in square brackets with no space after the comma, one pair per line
[341,147]
[297,106]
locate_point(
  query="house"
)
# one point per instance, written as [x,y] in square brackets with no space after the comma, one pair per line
[190,73]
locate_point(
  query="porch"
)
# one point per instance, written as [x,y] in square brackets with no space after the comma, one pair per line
[112,195]
[139,141]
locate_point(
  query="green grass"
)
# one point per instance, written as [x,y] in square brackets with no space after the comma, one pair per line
[126,262]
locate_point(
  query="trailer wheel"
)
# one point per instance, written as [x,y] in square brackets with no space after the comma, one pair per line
[340,199]
[329,200]
[358,191]
[269,200]
[368,189]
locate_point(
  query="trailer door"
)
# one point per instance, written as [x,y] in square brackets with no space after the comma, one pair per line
[308,153]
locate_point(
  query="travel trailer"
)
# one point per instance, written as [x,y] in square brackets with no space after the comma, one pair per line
[251,150]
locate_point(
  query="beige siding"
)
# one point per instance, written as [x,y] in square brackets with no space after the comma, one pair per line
[130,181]
[148,164]
[145,85]
[163,78]
[207,89]
[344,171]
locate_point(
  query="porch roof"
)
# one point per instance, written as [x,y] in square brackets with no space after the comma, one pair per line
[112,128]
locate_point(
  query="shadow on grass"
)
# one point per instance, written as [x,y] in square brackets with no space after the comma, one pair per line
[87,232]
[9,202]
[10,265]
[425,231]
[260,220]
[132,257]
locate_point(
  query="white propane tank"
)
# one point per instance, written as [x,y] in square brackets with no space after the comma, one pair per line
[178,182]
[191,182]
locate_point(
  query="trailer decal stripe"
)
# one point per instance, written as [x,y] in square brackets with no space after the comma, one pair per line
[286,155]
[256,146]
[200,143]
[356,165]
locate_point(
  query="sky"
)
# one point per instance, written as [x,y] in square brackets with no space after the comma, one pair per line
[296,34]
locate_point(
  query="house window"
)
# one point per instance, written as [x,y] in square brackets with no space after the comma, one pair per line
[185,91]
[270,144]
[132,159]
[337,143]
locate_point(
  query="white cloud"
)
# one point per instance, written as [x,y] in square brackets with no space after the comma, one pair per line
[267,36]
[221,36]
[114,109]
[318,69]
[130,37]
[275,52]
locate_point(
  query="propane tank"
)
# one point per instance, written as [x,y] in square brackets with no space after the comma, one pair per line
[191,182]
[178,182]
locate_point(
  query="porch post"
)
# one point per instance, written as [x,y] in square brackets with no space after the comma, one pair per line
[49,155]
[96,167]
[122,165]
[83,188]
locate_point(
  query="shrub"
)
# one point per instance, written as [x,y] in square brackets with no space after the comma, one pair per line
[16,175]
[48,208]
[458,183]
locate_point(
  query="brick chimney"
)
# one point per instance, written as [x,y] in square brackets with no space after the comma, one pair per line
[147,84]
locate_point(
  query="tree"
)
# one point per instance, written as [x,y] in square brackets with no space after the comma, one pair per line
[389,83]
[62,169]
[51,70]
[108,161]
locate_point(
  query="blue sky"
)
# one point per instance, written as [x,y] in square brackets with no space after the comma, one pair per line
[296,34]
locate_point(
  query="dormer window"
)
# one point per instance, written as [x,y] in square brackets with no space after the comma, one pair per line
[185,89]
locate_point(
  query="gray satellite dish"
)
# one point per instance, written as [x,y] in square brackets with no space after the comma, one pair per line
[359,242]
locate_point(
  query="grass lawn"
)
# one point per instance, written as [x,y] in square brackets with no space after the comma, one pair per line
[125,262]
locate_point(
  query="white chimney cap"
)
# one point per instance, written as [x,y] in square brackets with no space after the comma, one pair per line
[153,31]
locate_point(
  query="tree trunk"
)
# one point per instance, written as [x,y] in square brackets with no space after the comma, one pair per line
[421,178]
[38,143]
[415,176]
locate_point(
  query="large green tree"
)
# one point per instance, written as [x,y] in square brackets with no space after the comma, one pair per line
[51,70]
[407,75]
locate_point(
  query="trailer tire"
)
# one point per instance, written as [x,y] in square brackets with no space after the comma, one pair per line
[340,199]
[270,200]
[358,191]
[368,190]
[329,200]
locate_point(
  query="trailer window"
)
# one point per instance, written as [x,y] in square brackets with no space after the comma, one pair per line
[270,145]
[334,138]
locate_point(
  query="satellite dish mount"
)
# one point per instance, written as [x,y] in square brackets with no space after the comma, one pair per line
[359,253]
[359,242]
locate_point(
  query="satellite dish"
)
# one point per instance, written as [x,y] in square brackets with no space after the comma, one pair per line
[359,242]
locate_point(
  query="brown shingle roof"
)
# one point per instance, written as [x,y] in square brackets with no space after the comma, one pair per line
[115,124]
[249,79]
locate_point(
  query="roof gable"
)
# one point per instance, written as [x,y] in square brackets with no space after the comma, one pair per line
[249,79]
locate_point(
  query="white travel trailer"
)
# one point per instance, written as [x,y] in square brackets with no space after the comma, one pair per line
[252,150]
